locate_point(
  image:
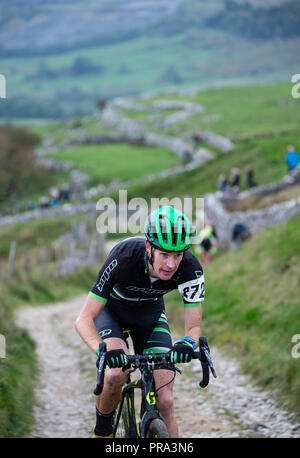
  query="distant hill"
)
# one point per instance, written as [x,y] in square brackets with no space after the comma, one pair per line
[254,22]
[32,25]
[60,57]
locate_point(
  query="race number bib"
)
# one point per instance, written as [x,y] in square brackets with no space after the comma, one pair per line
[193,290]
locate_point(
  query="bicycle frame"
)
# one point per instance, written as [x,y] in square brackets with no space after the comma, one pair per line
[149,410]
[146,365]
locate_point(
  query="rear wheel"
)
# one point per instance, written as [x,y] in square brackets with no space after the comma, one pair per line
[157,428]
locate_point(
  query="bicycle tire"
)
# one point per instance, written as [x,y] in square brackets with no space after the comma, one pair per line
[156,429]
[128,419]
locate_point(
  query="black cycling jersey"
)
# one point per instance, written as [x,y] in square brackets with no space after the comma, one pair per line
[124,275]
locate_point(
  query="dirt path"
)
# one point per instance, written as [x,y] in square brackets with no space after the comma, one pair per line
[229,407]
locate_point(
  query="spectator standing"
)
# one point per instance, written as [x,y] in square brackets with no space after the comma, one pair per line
[292,158]
[222,183]
[197,139]
[235,180]
[249,177]
[208,245]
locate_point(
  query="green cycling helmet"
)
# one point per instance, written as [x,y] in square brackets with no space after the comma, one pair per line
[169,230]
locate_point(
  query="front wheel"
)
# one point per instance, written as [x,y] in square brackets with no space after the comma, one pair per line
[128,416]
[157,428]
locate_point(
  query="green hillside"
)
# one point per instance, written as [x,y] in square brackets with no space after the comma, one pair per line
[252,298]
[251,310]
[261,120]
[58,61]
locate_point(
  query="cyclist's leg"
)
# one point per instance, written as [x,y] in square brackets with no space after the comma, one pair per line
[159,341]
[165,399]
[109,329]
[114,379]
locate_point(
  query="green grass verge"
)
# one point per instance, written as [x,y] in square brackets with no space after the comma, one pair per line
[18,371]
[251,310]
[17,376]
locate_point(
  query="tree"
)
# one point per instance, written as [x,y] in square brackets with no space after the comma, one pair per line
[19,174]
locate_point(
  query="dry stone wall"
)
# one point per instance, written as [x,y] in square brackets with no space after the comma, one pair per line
[254,220]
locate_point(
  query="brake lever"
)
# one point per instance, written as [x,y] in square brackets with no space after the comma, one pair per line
[101,369]
[209,361]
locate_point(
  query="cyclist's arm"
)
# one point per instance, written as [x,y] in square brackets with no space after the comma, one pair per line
[84,324]
[192,322]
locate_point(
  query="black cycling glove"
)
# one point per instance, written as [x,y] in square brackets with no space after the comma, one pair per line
[116,358]
[181,352]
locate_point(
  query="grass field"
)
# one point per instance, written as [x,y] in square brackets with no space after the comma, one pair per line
[251,310]
[240,112]
[64,130]
[103,163]
[266,156]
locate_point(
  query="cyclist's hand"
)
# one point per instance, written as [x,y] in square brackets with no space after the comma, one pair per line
[116,358]
[181,352]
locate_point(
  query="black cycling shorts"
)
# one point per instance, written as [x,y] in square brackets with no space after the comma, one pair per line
[144,321]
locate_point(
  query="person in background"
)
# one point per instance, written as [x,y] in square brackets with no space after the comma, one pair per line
[222,183]
[197,139]
[240,233]
[249,177]
[235,180]
[208,246]
[54,197]
[292,158]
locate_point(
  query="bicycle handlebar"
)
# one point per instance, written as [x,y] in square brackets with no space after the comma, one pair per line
[141,360]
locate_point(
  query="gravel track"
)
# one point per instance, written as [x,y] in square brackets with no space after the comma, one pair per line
[230,407]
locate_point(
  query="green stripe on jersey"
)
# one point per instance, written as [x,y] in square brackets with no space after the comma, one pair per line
[192,305]
[98,298]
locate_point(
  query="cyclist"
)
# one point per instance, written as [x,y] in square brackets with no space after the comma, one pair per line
[128,296]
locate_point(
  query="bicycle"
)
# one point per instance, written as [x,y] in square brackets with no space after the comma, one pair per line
[151,423]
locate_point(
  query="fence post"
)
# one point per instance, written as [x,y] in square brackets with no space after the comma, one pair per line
[27,265]
[75,231]
[92,250]
[82,231]
[2,346]
[44,259]
[11,258]
[58,257]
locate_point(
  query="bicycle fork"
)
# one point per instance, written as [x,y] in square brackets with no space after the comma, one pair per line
[149,409]
[130,409]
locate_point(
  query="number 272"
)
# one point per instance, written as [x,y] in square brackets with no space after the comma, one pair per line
[195,289]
